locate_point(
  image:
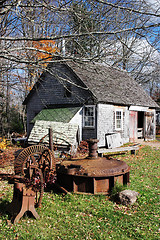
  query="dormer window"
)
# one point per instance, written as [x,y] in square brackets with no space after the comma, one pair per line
[67,91]
[89,116]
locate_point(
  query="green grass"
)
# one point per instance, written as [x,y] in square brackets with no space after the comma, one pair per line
[94,217]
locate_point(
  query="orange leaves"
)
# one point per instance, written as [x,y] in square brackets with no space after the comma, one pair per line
[12,93]
[3,144]
[45,49]
[28,86]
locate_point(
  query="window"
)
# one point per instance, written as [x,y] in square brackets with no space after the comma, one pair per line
[89,116]
[67,91]
[119,119]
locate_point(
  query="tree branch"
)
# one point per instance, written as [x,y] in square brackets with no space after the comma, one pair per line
[128,9]
[80,34]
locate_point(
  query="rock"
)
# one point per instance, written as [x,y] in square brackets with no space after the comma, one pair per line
[128,197]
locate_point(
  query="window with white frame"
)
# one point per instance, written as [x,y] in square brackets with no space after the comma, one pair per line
[89,116]
[118,119]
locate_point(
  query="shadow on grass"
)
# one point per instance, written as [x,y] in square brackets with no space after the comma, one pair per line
[3,207]
[4,211]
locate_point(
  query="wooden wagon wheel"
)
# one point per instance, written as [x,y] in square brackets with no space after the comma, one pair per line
[62,138]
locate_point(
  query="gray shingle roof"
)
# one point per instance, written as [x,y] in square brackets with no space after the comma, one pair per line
[108,85]
[112,85]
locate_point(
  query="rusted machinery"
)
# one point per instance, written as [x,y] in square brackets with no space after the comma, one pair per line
[36,166]
[96,175]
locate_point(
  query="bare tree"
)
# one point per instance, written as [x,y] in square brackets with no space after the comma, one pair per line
[42,20]
[98,30]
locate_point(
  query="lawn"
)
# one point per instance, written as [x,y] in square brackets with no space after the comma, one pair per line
[94,217]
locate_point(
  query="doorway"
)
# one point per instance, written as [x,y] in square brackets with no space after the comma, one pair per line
[140,125]
[136,125]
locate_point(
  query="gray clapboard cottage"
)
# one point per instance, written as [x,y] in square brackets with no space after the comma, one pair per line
[100,99]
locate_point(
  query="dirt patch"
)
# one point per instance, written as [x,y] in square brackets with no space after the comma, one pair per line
[154,144]
[7,158]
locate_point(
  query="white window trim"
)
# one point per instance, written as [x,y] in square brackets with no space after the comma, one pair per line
[84,116]
[119,110]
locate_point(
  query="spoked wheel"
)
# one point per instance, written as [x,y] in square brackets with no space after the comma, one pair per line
[36,164]
[46,161]
[35,155]
[31,162]
[34,179]
[48,167]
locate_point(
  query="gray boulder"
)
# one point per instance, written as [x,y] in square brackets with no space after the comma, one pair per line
[128,197]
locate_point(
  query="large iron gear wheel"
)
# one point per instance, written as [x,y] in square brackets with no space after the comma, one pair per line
[38,155]
[34,163]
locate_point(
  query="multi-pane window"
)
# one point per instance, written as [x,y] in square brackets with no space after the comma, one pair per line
[89,116]
[119,119]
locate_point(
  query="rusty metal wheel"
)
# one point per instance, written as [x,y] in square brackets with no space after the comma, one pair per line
[35,163]
[46,161]
[34,180]
[37,155]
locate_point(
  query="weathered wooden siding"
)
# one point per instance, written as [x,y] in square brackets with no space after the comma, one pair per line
[51,92]
[64,134]
[125,120]
[150,124]
[126,123]
[106,122]
[88,133]
[133,116]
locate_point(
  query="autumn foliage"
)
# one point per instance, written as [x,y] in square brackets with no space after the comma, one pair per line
[3,143]
[45,49]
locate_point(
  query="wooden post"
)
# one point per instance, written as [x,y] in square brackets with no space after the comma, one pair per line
[51,139]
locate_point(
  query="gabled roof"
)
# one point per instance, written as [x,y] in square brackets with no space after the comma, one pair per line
[107,84]
[112,85]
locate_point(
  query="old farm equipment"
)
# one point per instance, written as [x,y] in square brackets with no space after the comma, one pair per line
[34,167]
[95,175]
